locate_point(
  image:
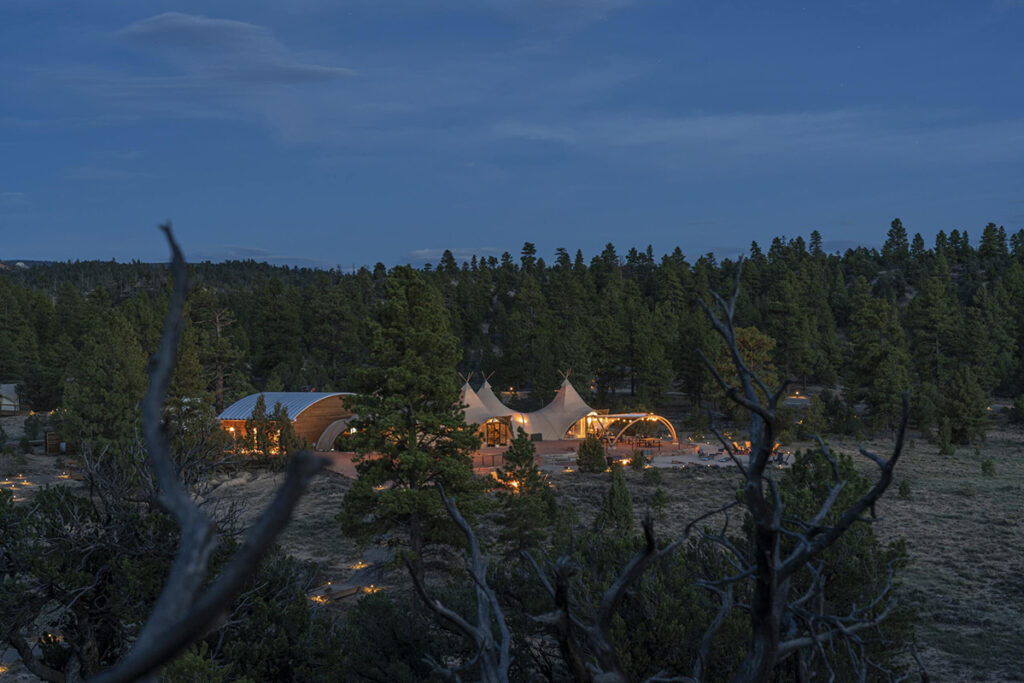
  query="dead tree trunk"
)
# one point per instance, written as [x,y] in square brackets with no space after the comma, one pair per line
[771,569]
[185,611]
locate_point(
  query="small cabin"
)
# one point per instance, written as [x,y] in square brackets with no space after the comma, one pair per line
[311,413]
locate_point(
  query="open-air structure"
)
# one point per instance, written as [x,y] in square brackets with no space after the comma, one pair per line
[567,416]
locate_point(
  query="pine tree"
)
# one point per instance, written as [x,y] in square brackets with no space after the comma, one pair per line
[896,250]
[814,422]
[104,386]
[528,501]
[260,431]
[288,442]
[877,368]
[965,408]
[617,512]
[411,432]
[590,455]
[659,502]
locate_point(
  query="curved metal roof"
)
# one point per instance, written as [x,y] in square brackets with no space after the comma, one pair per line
[294,401]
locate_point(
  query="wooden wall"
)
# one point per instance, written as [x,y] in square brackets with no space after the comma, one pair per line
[310,423]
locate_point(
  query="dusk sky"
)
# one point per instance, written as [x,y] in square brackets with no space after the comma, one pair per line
[345,133]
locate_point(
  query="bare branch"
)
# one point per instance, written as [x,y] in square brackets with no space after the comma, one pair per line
[30,661]
[704,654]
[494,658]
[181,614]
[770,601]
[854,513]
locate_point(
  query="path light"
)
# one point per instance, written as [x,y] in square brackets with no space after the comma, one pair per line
[371,589]
[360,565]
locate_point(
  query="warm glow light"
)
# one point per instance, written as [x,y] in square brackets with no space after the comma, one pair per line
[319,599]
[371,588]
[360,565]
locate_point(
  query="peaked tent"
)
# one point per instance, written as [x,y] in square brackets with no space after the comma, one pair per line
[554,420]
[492,402]
[476,411]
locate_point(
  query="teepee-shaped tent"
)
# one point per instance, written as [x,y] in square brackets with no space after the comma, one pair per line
[553,420]
[476,411]
[493,403]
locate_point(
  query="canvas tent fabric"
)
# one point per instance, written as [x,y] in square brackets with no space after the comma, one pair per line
[476,411]
[493,403]
[550,423]
[554,420]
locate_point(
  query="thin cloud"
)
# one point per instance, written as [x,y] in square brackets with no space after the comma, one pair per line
[10,199]
[226,50]
[103,174]
[724,140]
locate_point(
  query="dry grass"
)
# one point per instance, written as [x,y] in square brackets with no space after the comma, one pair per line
[964,532]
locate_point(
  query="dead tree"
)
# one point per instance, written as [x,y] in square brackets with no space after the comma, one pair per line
[185,611]
[781,623]
[577,637]
[492,655]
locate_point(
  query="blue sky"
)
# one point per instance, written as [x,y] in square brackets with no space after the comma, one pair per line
[346,133]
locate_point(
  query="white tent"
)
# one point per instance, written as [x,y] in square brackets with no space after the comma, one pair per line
[476,411]
[554,420]
[492,402]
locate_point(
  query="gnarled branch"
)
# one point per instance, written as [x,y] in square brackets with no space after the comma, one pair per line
[182,613]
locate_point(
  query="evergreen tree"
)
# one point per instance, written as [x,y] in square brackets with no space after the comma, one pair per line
[411,432]
[590,455]
[617,512]
[877,366]
[260,431]
[965,408]
[104,386]
[528,501]
[896,250]
[814,422]
[288,442]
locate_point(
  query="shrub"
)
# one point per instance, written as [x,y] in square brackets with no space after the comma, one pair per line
[988,467]
[590,457]
[652,476]
[34,426]
[904,489]
[617,511]
[659,501]
[945,438]
[637,461]
[24,445]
